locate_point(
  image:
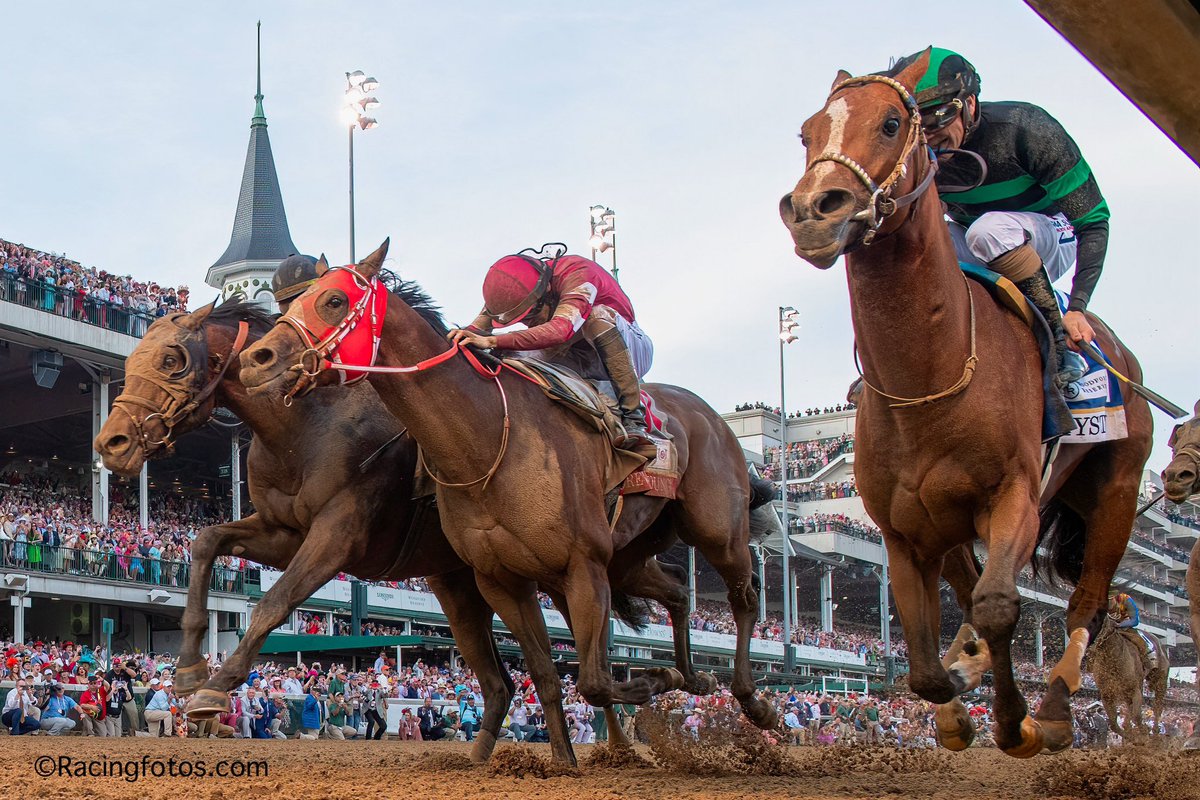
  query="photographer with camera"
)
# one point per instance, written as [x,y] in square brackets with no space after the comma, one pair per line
[20,714]
[55,707]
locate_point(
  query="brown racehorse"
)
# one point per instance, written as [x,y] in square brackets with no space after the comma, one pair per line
[329,481]
[954,451]
[522,483]
[1120,676]
[1181,479]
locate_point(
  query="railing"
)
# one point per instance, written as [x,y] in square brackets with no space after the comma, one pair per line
[833,526]
[1177,553]
[1154,583]
[83,308]
[111,566]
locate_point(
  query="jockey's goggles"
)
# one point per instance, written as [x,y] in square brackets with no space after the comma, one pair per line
[937,117]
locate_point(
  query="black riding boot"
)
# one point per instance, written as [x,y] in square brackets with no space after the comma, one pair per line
[1037,288]
[619,364]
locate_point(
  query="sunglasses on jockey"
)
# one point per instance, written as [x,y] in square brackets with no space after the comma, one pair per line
[937,117]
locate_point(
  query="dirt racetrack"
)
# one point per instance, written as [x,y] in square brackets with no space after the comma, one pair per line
[429,770]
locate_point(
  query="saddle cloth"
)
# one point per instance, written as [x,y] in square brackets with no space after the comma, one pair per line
[1095,401]
[596,403]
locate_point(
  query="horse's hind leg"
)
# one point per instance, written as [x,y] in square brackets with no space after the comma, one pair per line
[724,542]
[667,584]
[1105,487]
[470,620]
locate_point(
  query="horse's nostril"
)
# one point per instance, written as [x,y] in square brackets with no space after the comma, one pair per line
[117,443]
[262,356]
[831,202]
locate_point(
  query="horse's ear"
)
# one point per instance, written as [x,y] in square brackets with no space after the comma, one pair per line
[371,265]
[322,266]
[194,320]
[1196,409]
[841,76]
[911,75]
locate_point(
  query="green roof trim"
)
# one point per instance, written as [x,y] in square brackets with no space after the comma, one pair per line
[311,643]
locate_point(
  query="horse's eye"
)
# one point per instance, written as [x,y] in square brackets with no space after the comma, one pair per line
[891,126]
[334,302]
[170,362]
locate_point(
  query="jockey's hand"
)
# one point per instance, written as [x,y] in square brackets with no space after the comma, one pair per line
[460,336]
[1078,329]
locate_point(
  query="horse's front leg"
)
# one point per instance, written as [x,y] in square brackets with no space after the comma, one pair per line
[251,538]
[915,590]
[470,620]
[1010,529]
[324,552]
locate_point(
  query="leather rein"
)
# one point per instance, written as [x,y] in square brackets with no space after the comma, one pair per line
[882,205]
[179,405]
[324,349]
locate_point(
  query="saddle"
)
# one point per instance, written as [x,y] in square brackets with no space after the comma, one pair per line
[1095,402]
[595,403]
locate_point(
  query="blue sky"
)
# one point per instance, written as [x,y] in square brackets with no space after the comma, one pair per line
[126,127]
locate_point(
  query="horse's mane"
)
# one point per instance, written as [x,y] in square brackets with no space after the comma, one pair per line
[234,311]
[415,298]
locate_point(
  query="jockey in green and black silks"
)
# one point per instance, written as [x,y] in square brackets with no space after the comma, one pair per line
[1021,197]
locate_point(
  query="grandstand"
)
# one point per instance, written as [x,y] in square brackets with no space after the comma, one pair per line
[828,518]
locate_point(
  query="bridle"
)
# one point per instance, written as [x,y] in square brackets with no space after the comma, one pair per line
[181,404]
[324,347]
[881,204]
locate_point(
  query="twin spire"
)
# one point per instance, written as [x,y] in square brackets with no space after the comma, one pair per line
[260,229]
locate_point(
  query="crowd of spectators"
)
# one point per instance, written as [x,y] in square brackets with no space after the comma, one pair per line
[805,459]
[54,283]
[716,617]
[808,412]
[836,523]
[46,524]
[820,490]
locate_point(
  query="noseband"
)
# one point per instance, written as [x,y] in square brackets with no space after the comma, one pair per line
[180,403]
[881,204]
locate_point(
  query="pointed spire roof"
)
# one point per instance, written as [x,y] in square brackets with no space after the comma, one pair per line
[260,229]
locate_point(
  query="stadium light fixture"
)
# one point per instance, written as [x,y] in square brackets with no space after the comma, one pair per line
[789,323]
[358,101]
[603,236]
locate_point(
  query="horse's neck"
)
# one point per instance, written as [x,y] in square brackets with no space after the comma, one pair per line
[452,414]
[910,307]
[264,413]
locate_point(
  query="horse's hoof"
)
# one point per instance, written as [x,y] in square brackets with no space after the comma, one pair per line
[701,684]
[190,678]
[1032,740]
[481,751]
[761,714]
[955,731]
[1057,736]
[207,703]
[667,678]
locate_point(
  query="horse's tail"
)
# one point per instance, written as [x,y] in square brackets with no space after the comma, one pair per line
[630,610]
[1063,535]
[762,491]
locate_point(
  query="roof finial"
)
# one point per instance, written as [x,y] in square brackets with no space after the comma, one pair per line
[259,114]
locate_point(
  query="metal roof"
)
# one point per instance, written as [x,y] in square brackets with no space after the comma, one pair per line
[260,229]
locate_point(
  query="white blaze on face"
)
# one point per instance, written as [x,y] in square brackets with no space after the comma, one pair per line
[838,112]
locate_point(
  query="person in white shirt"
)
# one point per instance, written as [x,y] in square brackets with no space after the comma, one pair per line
[20,713]
[253,709]
[292,685]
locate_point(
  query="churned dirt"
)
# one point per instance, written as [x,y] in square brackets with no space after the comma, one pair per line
[729,769]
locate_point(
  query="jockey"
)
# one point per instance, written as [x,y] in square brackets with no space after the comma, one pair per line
[292,277]
[568,302]
[1036,209]
[1124,613]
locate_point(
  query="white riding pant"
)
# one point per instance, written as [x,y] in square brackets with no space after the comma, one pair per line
[997,232]
[641,349]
